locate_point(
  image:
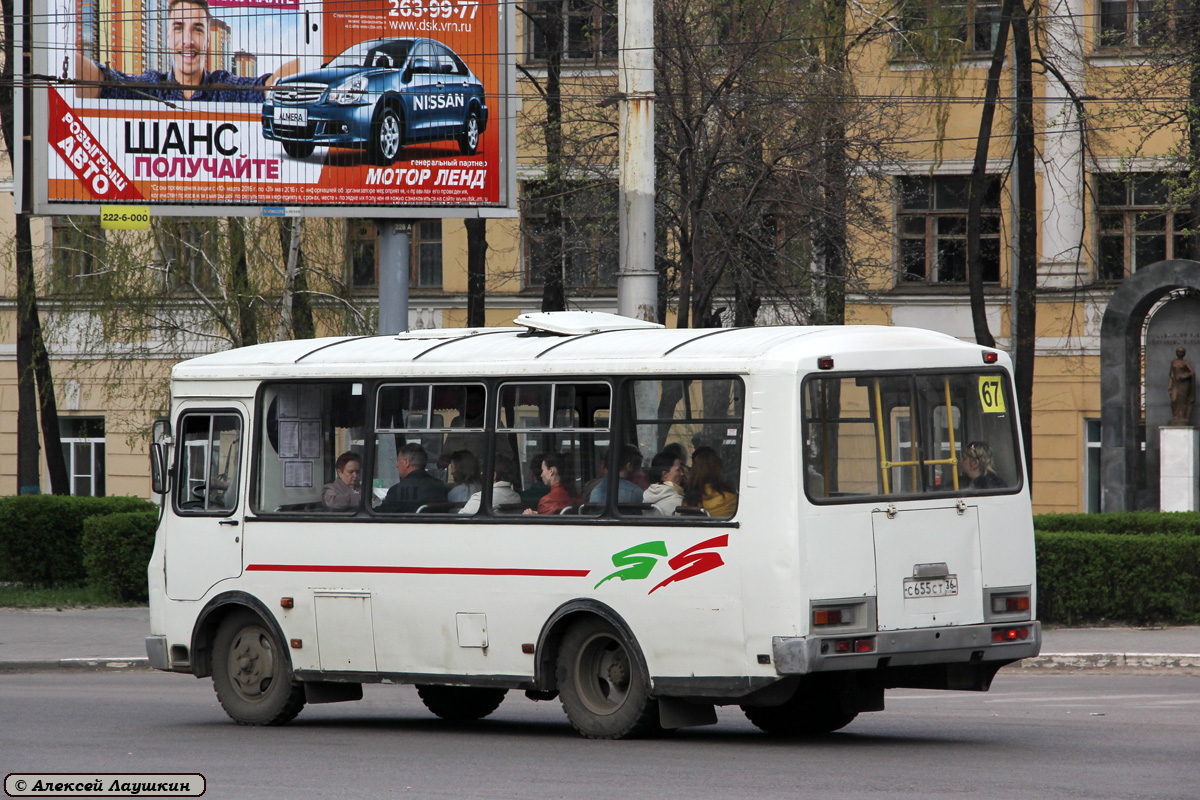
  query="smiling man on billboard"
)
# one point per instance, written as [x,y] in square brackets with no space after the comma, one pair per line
[189,23]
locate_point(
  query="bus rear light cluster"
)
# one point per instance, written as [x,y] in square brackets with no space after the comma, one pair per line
[833,616]
[854,646]
[1010,603]
[1014,634]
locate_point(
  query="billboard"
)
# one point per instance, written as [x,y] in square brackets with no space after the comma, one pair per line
[375,108]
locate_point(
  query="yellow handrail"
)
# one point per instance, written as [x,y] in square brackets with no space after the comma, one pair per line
[883,462]
[953,460]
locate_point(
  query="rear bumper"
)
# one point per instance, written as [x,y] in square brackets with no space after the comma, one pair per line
[968,644]
[156,652]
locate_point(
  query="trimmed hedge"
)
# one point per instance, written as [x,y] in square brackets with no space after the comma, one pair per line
[116,550]
[1126,522]
[1135,578]
[41,535]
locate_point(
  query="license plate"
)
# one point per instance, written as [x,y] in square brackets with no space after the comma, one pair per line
[931,587]
[291,117]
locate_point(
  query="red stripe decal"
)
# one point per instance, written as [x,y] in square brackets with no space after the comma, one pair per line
[530,573]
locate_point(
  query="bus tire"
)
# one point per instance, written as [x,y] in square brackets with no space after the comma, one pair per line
[461,703]
[251,672]
[807,713]
[602,690]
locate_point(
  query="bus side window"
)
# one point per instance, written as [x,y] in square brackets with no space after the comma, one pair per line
[305,429]
[563,424]
[447,421]
[210,461]
[697,422]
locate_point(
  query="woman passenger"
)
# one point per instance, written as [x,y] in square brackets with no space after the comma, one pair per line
[344,491]
[556,473]
[706,486]
[464,471]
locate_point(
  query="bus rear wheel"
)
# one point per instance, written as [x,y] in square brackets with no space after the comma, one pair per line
[251,673]
[808,713]
[600,685]
[461,703]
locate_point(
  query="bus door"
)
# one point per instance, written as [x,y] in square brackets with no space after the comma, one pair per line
[204,530]
[928,567]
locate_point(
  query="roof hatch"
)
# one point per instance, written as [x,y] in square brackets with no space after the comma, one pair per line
[576,323]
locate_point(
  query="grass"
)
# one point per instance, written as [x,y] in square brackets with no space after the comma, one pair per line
[15,595]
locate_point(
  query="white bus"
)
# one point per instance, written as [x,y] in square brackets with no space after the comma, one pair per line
[855,518]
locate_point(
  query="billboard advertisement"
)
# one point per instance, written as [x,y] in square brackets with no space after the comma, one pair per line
[241,107]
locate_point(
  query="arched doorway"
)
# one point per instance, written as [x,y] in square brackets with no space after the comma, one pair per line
[1121,378]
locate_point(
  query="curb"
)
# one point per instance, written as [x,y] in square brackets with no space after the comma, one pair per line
[99,663]
[1111,661]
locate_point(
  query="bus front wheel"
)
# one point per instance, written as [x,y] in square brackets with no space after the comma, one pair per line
[808,713]
[601,687]
[251,673]
[461,703]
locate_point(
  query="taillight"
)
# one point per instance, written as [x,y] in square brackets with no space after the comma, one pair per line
[854,645]
[1010,603]
[1017,633]
[833,616]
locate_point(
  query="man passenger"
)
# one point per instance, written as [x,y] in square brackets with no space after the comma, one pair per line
[416,487]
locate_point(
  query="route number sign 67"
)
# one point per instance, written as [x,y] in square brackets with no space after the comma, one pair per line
[991,394]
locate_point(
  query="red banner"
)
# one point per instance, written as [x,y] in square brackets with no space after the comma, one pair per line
[79,148]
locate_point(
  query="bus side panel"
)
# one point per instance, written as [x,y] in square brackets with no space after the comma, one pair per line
[462,599]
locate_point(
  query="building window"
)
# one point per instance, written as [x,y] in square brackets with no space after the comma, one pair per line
[77,246]
[1140,23]
[427,253]
[1091,465]
[362,254]
[926,24]
[1136,226]
[581,243]
[588,29]
[83,452]
[932,221]
[191,252]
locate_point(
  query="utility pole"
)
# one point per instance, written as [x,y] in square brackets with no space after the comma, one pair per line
[637,283]
[395,249]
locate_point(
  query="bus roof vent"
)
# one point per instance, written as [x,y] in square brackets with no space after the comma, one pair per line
[576,323]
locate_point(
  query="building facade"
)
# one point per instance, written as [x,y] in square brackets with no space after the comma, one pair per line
[1106,178]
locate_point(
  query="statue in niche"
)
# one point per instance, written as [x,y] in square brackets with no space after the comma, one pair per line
[1181,388]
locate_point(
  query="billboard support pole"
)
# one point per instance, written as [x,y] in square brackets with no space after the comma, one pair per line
[637,283]
[395,249]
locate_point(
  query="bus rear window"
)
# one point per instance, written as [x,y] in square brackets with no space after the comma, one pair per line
[895,435]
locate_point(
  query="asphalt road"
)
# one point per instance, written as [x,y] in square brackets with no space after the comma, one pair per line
[1082,735]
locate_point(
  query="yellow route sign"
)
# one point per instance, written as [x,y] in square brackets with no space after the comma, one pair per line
[991,394]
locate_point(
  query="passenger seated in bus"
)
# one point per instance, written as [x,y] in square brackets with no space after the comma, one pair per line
[344,491]
[976,463]
[556,473]
[627,490]
[472,417]
[706,487]
[504,496]
[666,493]
[464,471]
[537,489]
[416,486]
